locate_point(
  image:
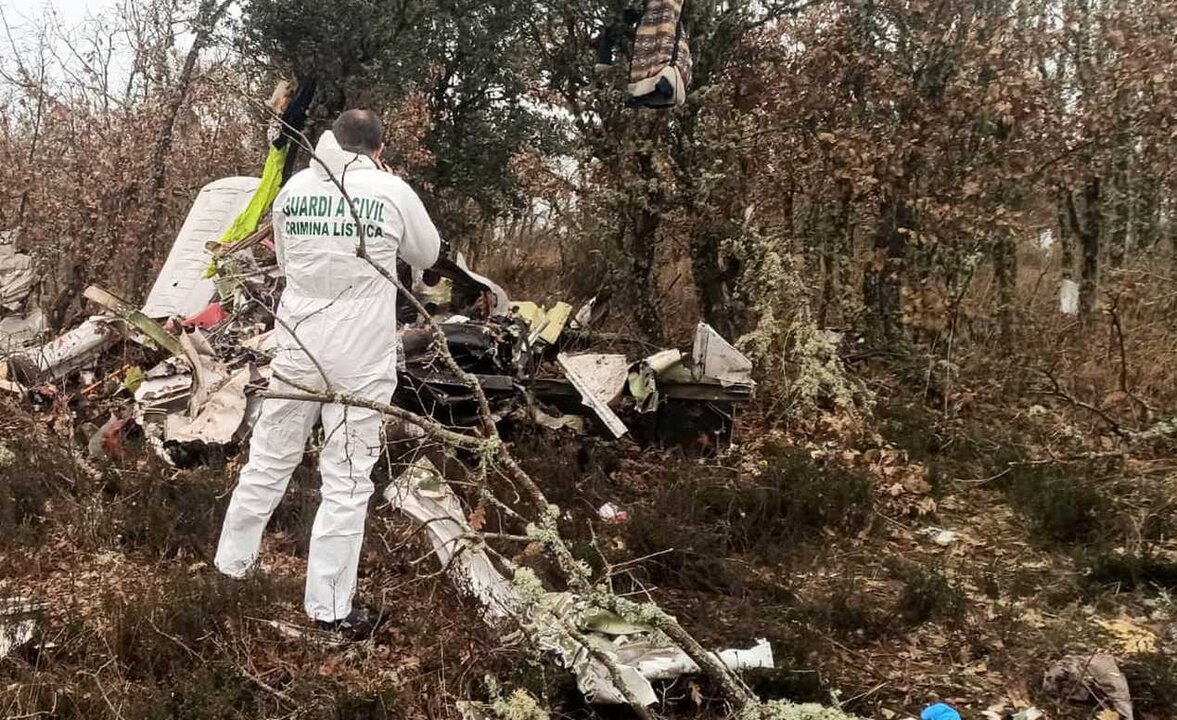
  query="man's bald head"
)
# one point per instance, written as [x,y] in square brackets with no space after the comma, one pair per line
[359,131]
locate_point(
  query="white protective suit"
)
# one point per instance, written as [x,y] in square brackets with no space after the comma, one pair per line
[343,312]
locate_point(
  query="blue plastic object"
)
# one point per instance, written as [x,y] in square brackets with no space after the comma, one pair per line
[939,711]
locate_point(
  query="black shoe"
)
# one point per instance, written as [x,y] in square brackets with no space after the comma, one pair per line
[358,625]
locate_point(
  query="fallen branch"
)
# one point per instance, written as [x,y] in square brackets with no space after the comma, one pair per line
[437,430]
[1058,391]
[1163,429]
[267,687]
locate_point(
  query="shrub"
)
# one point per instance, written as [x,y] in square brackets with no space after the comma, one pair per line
[1131,571]
[1060,509]
[927,595]
[168,515]
[788,505]
[1153,679]
[850,611]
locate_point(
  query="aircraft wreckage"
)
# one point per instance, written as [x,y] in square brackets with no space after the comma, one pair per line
[189,368]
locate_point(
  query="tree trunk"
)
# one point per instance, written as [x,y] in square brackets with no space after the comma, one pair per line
[715,277]
[1118,238]
[207,16]
[1170,230]
[1066,240]
[644,219]
[1006,269]
[881,284]
[1088,228]
[1146,219]
[37,113]
[836,251]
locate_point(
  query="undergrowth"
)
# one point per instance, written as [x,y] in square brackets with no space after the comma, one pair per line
[1153,679]
[1061,507]
[1130,571]
[928,595]
[708,515]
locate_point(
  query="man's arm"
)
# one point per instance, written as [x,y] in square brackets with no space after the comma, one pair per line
[421,244]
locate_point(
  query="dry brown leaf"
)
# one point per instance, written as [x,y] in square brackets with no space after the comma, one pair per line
[477,519]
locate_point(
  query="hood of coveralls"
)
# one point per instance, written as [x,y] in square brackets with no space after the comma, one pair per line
[336,158]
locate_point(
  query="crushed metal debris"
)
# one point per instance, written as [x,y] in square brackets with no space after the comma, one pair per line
[190,369]
[206,331]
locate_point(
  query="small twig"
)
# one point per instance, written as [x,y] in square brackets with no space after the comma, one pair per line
[282,323]
[635,561]
[1118,330]
[267,687]
[174,639]
[105,697]
[864,695]
[1058,391]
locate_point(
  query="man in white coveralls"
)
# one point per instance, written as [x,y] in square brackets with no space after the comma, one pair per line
[343,313]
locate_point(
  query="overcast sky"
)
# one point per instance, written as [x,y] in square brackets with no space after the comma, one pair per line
[71,11]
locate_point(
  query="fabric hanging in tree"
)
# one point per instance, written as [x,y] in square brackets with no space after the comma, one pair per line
[278,160]
[247,222]
[660,70]
[294,119]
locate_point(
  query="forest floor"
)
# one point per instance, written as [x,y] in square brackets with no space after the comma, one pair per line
[893,560]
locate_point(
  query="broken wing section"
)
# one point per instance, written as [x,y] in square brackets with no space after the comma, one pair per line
[181,289]
[641,654]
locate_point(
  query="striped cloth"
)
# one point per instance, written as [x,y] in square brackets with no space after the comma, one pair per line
[660,69]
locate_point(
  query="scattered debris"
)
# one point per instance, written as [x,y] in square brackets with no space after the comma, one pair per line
[421,494]
[940,711]
[717,360]
[546,325]
[600,380]
[1068,297]
[641,654]
[19,617]
[1089,678]
[940,536]
[107,441]
[19,325]
[190,369]
[612,514]
[218,417]
[16,274]
[643,378]
[205,340]
[138,320]
[557,422]
[70,352]
[181,289]
[1000,712]
[19,330]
